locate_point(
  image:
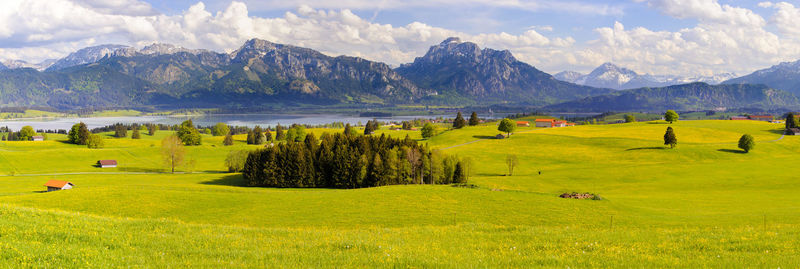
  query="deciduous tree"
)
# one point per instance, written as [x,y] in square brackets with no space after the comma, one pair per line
[507,126]
[671,116]
[173,152]
[747,143]
[511,163]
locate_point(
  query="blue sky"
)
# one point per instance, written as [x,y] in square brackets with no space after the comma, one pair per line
[684,37]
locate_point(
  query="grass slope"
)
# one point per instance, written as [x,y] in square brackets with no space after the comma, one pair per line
[702,204]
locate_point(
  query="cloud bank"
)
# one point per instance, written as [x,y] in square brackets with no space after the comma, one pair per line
[725,38]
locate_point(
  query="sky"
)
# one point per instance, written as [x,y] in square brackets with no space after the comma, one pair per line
[665,37]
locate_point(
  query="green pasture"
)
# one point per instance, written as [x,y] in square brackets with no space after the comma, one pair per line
[702,204]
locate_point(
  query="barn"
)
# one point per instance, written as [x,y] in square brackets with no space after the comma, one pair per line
[38,138]
[107,163]
[57,185]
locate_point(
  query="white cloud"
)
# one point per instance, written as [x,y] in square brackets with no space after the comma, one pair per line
[726,38]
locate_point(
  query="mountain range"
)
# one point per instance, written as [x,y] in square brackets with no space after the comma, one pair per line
[784,76]
[261,73]
[612,76]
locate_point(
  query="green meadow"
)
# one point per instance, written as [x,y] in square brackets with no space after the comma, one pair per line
[704,203]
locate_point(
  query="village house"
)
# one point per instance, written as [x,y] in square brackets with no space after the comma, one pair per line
[38,138]
[767,118]
[56,185]
[552,123]
[523,124]
[107,163]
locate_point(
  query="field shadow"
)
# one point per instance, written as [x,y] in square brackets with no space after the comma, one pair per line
[645,148]
[141,169]
[235,180]
[483,136]
[657,122]
[777,131]
[732,151]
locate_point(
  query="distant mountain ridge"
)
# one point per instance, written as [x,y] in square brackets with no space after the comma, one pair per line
[784,76]
[612,76]
[261,73]
[465,73]
[687,97]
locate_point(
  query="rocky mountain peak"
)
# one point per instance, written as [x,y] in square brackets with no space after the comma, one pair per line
[86,55]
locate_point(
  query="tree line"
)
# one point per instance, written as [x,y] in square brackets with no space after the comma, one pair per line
[346,160]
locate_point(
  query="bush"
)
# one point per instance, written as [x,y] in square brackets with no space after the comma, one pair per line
[95,141]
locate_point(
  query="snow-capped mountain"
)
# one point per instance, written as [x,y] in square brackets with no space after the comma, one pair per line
[14,64]
[85,56]
[612,76]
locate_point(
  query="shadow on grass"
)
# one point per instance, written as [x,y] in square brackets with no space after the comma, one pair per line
[657,122]
[646,148]
[235,180]
[483,136]
[777,131]
[732,151]
[140,169]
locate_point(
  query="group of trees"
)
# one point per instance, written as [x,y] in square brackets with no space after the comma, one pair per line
[792,121]
[26,133]
[344,160]
[371,127]
[188,134]
[459,122]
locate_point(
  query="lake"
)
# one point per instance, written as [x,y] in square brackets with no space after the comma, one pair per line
[250,120]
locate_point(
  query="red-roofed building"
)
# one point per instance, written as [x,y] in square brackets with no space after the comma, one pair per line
[761,117]
[552,123]
[56,185]
[523,123]
[107,163]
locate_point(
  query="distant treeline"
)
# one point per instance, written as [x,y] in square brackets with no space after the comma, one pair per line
[348,161]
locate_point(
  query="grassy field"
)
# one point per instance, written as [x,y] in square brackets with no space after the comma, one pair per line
[703,204]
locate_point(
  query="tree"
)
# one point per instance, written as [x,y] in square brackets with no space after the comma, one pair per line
[459,121]
[151,129]
[348,130]
[669,138]
[235,160]
[791,122]
[630,118]
[671,116]
[747,143]
[267,135]
[507,126]
[428,130]
[258,136]
[173,151]
[120,130]
[251,139]
[26,133]
[189,134]
[473,119]
[279,135]
[511,163]
[220,129]
[228,141]
[297,133]
[95,141]
[136,134]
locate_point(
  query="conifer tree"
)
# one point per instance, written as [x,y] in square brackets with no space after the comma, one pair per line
[136,134]
[228,141]
[670,138]
[279,134]
[473,119]
[459,121]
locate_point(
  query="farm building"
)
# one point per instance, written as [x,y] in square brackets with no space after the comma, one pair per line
[56,185]
[552,123]
[523,123]
[793,131]
[107,163]
[38,138]
[761,117]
